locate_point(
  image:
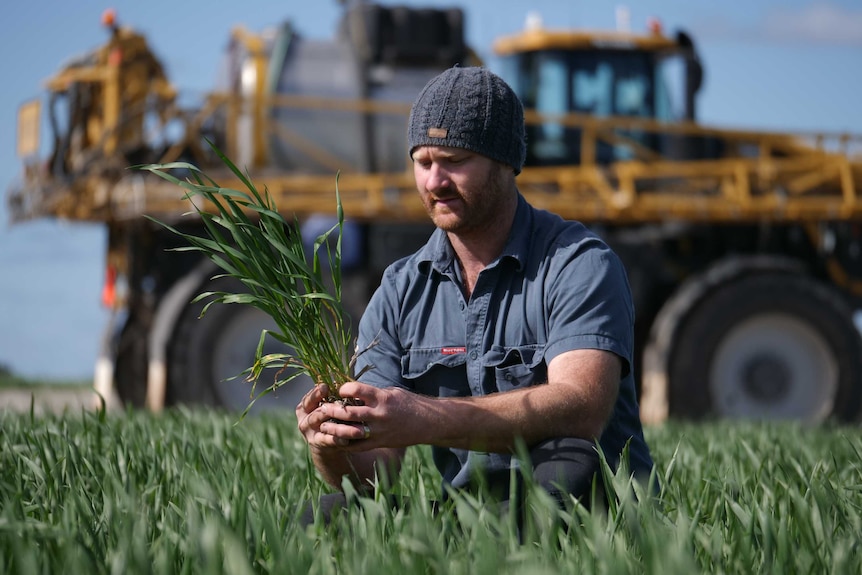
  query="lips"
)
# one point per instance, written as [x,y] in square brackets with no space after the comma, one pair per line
[447,201]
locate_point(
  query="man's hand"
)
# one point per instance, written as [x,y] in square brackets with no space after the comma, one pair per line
[374,418]
[342,438]
[311,414]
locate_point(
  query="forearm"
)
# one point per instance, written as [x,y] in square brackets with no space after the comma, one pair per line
[576,402]
[359,467]
[495,423]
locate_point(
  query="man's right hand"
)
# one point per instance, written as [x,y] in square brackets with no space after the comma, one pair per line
[317,425]
[340,447]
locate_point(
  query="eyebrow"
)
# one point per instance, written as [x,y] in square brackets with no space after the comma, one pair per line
[445,155]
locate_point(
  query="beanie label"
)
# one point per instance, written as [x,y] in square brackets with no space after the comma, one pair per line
[437,132]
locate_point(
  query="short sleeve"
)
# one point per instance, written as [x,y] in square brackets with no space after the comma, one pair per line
[589,303]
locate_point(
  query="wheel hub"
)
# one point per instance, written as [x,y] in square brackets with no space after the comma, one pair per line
[766,378]
[774,366]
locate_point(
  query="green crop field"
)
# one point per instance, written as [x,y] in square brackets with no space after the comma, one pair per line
[194,492]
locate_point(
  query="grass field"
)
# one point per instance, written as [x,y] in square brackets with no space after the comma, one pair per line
[191,492]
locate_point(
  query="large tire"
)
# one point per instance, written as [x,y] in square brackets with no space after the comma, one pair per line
[207,355]
[130,363]
[762,344]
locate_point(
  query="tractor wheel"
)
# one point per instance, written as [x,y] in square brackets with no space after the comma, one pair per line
[753,337]
[208,354]
[130,364]
[766,345]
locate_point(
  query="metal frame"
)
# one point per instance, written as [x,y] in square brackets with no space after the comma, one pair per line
[788,178]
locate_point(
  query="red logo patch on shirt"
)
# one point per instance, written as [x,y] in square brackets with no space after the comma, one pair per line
[453,350]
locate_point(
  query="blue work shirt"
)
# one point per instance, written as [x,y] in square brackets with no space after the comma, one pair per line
[556,287]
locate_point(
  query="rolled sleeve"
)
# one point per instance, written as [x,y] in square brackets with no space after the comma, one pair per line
[590,305]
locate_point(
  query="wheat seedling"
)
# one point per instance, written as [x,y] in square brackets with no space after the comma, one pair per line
[251,241]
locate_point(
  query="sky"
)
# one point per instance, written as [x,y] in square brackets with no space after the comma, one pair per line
[785,65]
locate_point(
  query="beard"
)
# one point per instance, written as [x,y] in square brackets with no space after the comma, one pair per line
[474,208]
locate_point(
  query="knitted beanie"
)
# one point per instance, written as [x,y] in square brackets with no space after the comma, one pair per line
[473,109]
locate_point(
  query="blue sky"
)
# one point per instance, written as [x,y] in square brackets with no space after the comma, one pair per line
[770,64]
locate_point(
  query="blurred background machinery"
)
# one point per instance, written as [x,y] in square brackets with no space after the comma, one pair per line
[742,248]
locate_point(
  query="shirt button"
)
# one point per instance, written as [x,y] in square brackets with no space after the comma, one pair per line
[474,354]
[508,377]
[462,306]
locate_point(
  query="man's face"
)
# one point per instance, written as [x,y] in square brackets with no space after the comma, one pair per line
[462,191]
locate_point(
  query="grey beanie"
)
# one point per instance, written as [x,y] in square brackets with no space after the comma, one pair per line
[473,109]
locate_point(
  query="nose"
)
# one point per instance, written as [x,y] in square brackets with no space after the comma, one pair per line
[438,178]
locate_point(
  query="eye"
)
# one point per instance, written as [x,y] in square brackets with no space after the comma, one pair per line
[459,159]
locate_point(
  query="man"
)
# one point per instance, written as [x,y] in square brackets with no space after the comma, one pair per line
[510,325]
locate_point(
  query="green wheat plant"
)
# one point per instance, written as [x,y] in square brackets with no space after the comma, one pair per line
[188,491]
[248,239]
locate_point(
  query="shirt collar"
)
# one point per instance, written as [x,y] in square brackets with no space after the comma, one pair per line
[439,254]
[521,234]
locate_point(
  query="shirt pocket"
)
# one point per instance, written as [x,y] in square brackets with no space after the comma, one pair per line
[518,366]
[430,371]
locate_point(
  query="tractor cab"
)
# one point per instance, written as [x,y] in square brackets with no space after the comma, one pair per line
[575,83]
